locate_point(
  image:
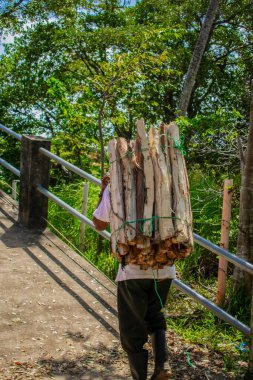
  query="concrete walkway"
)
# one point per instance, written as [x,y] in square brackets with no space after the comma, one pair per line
[58,313]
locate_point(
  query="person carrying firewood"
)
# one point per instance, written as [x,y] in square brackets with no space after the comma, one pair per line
[141,294]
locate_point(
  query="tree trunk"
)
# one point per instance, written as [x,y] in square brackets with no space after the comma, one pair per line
[101,139]
[243,280]
[201,45]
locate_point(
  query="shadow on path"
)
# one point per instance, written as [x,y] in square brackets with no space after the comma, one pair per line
[81,301]
[78,280]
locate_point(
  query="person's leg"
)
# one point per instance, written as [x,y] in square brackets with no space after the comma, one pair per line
[162,370]
[158,294]
[157,327]
[132,309]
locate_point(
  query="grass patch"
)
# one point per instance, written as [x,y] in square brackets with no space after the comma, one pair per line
[197,325]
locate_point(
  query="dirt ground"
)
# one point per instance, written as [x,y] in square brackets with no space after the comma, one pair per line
[59,319]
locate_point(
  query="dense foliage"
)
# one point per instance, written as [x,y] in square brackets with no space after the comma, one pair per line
[80,71]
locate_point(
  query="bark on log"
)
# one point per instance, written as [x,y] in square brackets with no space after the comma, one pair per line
[148,179]
[129,189]
[117,214]
[181,197]
[140,185]
[163,193]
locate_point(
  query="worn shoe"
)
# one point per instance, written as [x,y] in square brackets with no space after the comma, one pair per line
[164,374]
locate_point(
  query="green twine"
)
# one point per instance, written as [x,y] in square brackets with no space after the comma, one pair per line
[178,144]
[142,222]
[141,227]
[156,290]
[189,360]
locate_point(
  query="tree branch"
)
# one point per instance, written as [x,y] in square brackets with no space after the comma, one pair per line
[233,51]
[199,50]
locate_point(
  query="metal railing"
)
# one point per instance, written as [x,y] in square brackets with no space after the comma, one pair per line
[10,167]
[71,167]
[243,264]
[71,210]
[10,132]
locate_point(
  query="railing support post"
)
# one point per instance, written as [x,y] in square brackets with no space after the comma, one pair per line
[34,171]
[84,212]
[14,189]
[224,242]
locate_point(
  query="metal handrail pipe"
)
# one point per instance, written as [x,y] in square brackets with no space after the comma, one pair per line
[181,286]
[241,263]
[10,167]
[70,166]
[72,211]
[212,307]
[10,132]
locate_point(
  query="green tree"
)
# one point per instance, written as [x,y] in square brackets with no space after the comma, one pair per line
[118,63]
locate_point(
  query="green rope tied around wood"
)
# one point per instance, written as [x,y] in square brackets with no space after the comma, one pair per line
[156,290]
[178,144]
[142,221]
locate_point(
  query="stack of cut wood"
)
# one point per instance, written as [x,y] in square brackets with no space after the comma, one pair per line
[151,219]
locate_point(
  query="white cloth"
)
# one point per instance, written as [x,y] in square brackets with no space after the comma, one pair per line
[104,207]
[130,271]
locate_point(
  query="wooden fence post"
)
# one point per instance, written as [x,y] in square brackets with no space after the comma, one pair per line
[226,216]
[34,170]
[14,189]
[84,212]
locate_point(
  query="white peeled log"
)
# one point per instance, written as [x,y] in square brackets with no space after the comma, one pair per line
[148,179]
[157,180]
[142,241]
[163,188]
[181,196]
[188,209]
[129,189]
[165,145]
[117,214]
[140,185]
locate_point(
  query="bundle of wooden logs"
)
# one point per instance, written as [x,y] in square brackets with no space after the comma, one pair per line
[151,219]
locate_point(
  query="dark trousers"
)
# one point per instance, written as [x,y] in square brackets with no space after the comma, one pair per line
[139,311]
